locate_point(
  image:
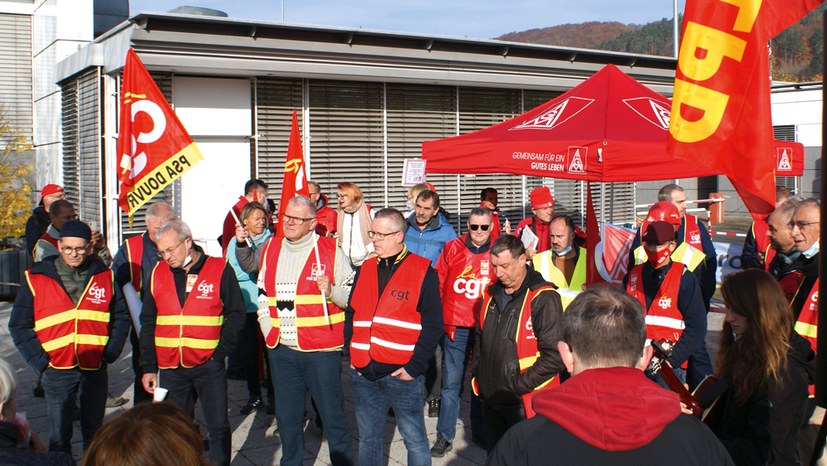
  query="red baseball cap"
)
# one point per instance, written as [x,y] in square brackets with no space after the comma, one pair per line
[50,189]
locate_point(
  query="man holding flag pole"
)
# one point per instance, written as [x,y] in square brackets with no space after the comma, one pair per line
[302,292]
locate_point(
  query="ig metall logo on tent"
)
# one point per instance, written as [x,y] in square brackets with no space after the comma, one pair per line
[576,159]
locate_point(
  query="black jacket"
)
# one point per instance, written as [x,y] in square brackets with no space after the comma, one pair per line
[765,430]
[234,313]
[21,322]
[11,455]
[497,369]
[36,225]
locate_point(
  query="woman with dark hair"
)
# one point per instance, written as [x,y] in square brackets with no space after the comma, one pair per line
[150,434]
[766,367]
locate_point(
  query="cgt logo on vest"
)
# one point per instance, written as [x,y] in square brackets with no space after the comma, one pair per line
[206,290]
[529,328]
[470,287]
[97,293]
[400,295]
[664,302]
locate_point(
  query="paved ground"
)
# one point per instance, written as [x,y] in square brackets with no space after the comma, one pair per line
[253,440]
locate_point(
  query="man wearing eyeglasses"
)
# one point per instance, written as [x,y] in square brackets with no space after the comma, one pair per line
[190,322]
[806,231]
[68,322]
[393,326]
[464,272]
[564,265]
[301,281]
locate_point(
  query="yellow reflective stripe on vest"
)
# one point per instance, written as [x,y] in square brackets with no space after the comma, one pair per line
[179,320]
[528,361]
[300,299]
[89,339]
[806,330]
[194,343]
[71,314]
[61,342]
[689,256]
[320,320]
[275,322]
[662,321]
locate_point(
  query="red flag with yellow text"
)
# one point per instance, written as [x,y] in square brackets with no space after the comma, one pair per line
[153,146]
[721,104]
[295,180]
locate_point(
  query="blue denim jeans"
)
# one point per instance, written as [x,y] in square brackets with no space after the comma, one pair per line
[454,356]
[294,374]
[371,400]
[62,388]
[209,380]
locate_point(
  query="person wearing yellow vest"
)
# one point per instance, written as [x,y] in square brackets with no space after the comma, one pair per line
[393,326]
[190,321]
[68,322]
[670,296]
[133,263]
[297,275]
[564,265]
[519,330]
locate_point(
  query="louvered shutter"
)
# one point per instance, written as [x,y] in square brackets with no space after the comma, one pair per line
[275,101]
[69,133]
[88,206]
[16,66]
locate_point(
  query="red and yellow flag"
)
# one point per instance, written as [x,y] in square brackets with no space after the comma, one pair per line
[153,146]
[295,180]
[721,104]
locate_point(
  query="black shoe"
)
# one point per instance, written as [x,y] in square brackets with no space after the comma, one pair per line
[433,408]
[441,446]
[114,402]
[254,405]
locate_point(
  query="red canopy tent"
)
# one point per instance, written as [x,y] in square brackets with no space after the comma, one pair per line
[610,128]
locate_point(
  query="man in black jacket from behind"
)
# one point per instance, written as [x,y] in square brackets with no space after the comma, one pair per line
[608,412]
[519,327]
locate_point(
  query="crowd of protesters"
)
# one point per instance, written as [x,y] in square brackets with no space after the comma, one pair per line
[403,306]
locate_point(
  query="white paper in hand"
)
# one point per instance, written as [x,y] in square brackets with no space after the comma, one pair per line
[529,239]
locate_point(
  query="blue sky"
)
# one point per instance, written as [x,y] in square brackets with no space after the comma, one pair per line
[461,18]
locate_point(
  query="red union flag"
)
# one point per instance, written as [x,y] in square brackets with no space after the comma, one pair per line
[721,104]
[295,180]
[153,146]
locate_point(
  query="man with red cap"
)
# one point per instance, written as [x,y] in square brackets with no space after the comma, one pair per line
[670,295]
[39,221]
[542,206]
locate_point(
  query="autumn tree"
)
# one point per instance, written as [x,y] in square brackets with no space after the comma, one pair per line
[15,190]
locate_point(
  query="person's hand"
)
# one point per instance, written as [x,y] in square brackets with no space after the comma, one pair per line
[150,381]
[241,233]
[507,227]
[324,285]
[685,409]
[531,252]
[401,374]
[761,258]
[97,240]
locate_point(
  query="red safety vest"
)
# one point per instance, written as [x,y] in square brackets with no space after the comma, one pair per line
[527,350]
[807,323]
[314,331]
[386,328]
[187,336]
[47,237]
[692,231]
[663,318]
[463,279]
[72,335]
[134,247]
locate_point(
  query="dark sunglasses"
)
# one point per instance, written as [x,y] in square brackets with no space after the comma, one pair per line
[474,227]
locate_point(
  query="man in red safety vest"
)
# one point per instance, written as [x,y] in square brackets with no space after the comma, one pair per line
[68,322]
[190,321]
[393,326]
[519,330]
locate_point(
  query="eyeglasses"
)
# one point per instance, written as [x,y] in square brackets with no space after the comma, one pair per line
[297,220]
[475,227]
[380,236]
[79,251]
[169,251]
[801,225]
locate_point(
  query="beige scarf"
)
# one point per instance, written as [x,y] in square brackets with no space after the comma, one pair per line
[363,213]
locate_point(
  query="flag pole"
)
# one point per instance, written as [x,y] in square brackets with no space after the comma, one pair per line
[318,269]
[238,222]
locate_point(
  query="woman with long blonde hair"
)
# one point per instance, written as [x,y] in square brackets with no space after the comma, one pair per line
[767,367]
